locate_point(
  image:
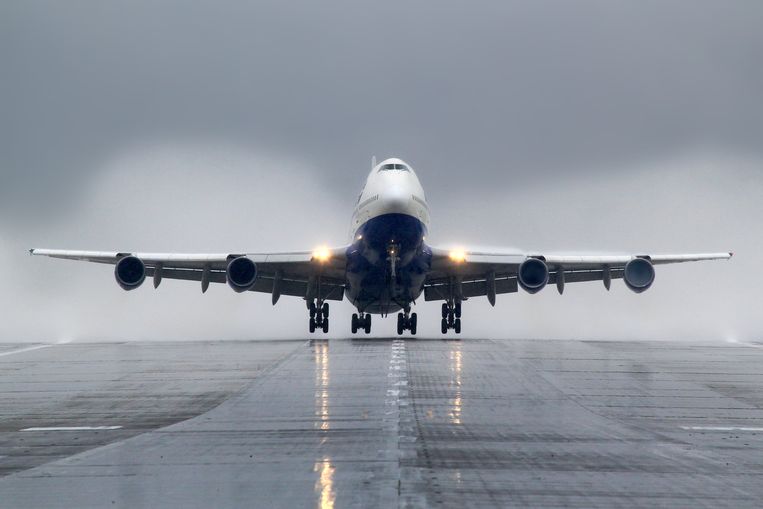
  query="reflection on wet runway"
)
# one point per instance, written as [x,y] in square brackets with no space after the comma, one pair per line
[455,367]
[324,485]
[322,378]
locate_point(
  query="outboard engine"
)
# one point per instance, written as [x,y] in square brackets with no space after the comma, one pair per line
[130,272]
[638,274]
[532,275]
[241,274]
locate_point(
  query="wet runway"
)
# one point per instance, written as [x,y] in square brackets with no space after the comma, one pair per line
[382,423]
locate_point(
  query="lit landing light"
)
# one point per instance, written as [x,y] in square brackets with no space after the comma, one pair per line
[457,255]
[322,254]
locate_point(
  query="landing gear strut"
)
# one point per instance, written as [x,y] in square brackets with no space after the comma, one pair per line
[451,317]
[361,322]
[319,316]
[407,321]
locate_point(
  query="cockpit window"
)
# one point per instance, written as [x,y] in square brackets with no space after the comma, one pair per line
[391,166]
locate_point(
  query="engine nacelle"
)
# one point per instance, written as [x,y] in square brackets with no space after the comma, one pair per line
[638,274]
[241,274]
[532,275]
[130,272]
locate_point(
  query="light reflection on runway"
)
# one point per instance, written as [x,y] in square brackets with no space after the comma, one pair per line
[455,365]
[324,485]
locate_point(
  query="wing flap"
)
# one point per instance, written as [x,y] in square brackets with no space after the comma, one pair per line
[296,268]
[466,273]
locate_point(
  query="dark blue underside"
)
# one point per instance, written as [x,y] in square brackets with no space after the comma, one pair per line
[371,286]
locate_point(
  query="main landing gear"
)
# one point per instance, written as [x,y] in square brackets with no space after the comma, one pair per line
[451,317]
[406,321]
[361,322]
[319,316]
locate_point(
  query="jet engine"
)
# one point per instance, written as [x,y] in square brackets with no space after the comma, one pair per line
[130,272]
[532,275]
[241,274]
[638,274]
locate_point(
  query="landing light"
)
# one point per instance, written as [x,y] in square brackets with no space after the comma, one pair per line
[457,255]
[322,254]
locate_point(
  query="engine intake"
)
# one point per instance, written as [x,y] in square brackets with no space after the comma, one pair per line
[638,274]
[533,275]
[241,274]
[130,272]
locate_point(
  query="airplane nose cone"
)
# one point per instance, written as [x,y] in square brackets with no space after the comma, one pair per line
[396,201]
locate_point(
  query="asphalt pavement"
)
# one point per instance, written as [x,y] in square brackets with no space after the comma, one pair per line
[390,422]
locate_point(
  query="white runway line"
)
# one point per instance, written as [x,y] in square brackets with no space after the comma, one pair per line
[35,347]
[73,428]
[720,428]
[27,349]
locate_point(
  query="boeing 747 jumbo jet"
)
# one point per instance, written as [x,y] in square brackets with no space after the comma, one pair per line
[386,266]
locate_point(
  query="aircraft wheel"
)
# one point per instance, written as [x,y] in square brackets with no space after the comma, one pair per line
[312,325]
[444,326]
[457,326]
[312,310]
[445,310]
[399,324]
[414,320]
[354,323]
[368,324]
[325,325]
[326,309]
[458,309]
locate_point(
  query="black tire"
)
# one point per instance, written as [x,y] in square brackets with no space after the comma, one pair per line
[457,326]
[354,323]
[312,325]
[399,324]
[368,324]
[325,325]
[414,321]
[458,309]
[450,320]
[445,310]
[312,310]
[325,309]
[444,326]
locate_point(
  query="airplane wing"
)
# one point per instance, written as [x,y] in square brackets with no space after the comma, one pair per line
[458,274]
[301,273]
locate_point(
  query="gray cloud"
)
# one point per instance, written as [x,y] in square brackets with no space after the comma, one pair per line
[585,125]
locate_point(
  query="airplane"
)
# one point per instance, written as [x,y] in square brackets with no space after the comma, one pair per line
[386,266]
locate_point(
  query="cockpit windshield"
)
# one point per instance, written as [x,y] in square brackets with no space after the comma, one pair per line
[394,166]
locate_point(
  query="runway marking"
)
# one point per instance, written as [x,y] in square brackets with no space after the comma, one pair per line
[72,428]
[720,428]
[36,347]
[26,349]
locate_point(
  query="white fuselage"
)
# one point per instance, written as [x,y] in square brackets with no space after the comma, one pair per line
[390,192]
[387,261]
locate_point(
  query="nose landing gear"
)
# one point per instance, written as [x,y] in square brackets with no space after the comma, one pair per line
[451,317]
[319,316]
[407,321]
[361,322]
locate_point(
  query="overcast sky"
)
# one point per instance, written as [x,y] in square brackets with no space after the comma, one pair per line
[604,126]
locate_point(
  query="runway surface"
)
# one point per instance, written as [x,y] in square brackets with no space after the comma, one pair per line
[382,423]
